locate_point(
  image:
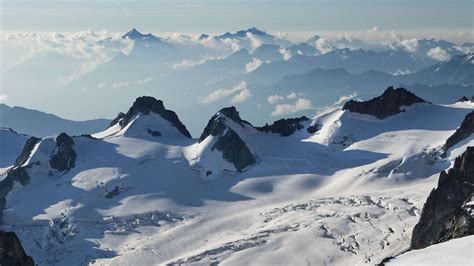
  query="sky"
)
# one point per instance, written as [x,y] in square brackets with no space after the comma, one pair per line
[220,16]
[44,40]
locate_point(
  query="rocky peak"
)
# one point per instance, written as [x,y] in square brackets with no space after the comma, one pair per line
[445,214]
[465,99]
[228,141]
[146,105]
[285,127]
[464,131]
[217,124]
[388,104]
[135,35]
[11,251]
[64,156]
[26,151]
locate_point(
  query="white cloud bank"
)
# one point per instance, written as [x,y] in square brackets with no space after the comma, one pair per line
[3,98]
[223,93]
[300,105]
[88,47]
[439,54]
[252,65]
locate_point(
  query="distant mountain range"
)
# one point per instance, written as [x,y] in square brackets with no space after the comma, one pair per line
[40,124]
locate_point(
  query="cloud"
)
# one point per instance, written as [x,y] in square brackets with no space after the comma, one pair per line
[89,48]
[186,64]
[242,96]
[409,45]
[286,53]
[323,45]
[294,95]
[374,29]
[222,93]
[252,65]
[300,105]
[337,104]
[272,99]
[3,98]
[291,95]
[122,84]
[345,98]
[255,42]
[438,53]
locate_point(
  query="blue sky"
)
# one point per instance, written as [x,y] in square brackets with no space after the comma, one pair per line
[219,16]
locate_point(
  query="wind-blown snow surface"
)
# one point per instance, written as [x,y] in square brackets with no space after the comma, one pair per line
[454,252]
[349,194]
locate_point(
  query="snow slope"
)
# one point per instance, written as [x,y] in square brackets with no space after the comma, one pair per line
[454,252]
[134,198]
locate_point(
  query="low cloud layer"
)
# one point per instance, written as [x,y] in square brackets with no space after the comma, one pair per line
[223,93]
[439,54]
[299,105]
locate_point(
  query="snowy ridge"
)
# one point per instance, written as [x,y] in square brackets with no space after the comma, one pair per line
[135,198]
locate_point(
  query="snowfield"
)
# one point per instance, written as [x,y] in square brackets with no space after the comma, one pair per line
[454,252]
[349,194]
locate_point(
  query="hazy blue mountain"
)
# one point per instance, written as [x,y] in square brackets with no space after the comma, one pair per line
[39,124]
[354,61]
[458,70]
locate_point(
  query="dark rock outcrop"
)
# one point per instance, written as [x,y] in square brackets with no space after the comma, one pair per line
[216,124]
[26,151]
[464,131]
[388,104]
[465,99]
[11,251]
[145,105]
[285,127]
[64,157]
[445,214]
[313,129]
[233,148]
[154,133]
[17,172]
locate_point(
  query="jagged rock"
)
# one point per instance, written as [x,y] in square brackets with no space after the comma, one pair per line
[145,105]
[64,156]
[233,148]
[26,151]
[17,172]
[216,124]
[445,215]
[154,133]
[388,104]
[465,99]
[313,129]
[285,127]
[11,251]
[464,131]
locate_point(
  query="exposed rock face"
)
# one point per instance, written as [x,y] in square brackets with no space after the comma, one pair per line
[145,105]
[445,214]
[233,148]
[465,99]
[26,152]
[17,173]
[313,129]
[11,251]
[216,124]
[285,127]
[64,156]
[464,131]
[388,104]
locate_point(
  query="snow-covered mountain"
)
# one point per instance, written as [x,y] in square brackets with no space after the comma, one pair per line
[345,183]
[40,124]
